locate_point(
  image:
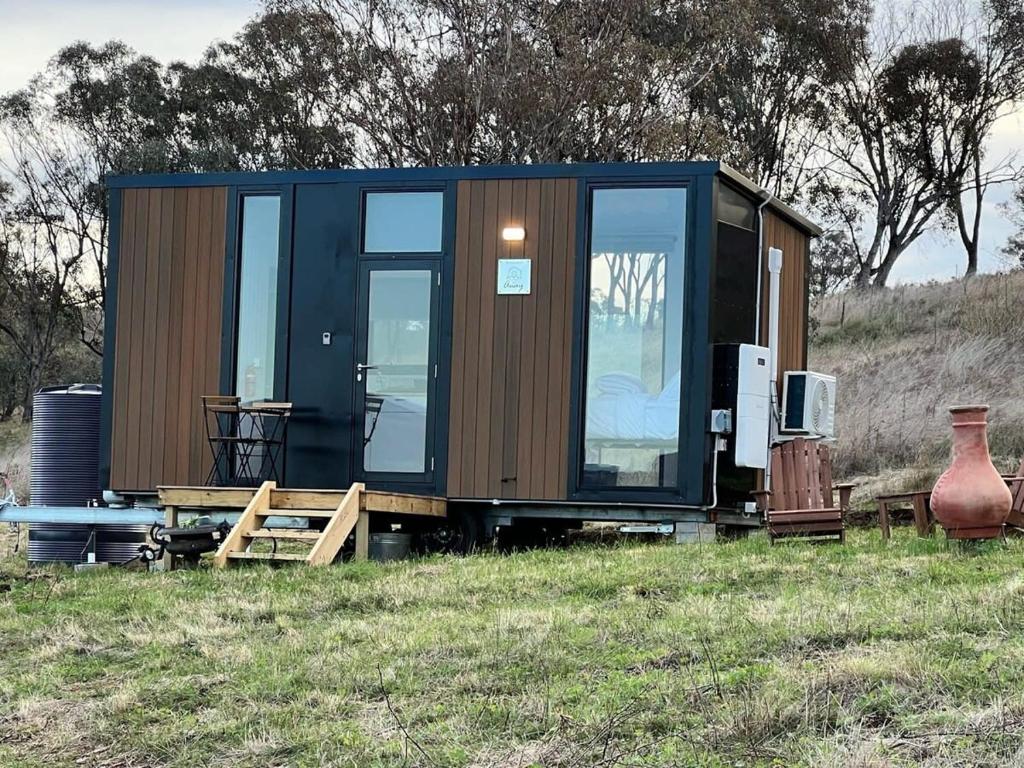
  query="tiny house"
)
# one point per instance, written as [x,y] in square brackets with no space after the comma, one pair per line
[529,341]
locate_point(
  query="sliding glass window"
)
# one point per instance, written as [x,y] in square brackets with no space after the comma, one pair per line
[634,337]
[257,297]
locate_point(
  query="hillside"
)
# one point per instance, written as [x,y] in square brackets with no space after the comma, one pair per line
[902,356]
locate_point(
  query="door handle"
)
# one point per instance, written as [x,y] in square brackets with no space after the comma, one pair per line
[364,367]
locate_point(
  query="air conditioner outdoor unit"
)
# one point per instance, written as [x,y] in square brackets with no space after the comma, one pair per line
[809,403]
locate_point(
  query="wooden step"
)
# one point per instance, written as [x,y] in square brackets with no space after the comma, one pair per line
[283,533]
[343,511]
[264,556]
[303,500]
[319,513]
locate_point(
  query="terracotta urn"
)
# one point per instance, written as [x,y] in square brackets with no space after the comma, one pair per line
[970,500]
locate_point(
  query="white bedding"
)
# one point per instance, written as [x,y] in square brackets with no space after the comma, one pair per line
[625,410]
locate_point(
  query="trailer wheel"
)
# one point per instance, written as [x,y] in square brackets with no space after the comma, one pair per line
[460,534]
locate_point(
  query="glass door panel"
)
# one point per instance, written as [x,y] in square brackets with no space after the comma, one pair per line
[634,337]
[395,372]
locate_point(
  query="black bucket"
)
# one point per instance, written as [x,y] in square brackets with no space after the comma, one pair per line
[389,546]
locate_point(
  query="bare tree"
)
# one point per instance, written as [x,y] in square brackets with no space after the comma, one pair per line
[901,150]
[970,77]
[39,262]
[767,101]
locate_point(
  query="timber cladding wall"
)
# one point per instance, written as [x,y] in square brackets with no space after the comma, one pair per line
[168,331]
[795,245]
[511,355]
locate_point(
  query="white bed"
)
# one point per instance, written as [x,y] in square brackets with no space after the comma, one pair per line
[624,410]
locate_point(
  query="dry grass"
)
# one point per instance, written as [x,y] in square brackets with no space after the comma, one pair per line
[653,655]
[16,455]
[904,355]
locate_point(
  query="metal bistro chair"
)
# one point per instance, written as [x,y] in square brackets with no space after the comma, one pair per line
[221,420]
[374,405]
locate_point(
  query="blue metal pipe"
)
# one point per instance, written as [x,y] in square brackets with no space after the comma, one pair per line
[81,515]
[124,516]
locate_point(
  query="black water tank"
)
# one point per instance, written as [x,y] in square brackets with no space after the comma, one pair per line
[65,473]
[66,446]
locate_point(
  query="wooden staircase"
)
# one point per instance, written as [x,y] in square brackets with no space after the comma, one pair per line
[269,501]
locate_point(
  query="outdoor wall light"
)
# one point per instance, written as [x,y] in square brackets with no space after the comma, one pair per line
[513,233]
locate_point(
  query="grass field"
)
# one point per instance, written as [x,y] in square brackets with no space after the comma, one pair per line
[731,654]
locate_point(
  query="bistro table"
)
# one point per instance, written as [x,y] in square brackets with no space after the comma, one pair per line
[247,440]
[264,429]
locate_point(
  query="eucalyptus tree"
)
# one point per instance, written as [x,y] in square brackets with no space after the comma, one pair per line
[274,96]
[93,111]
[994,38]
[768,99]
[440,82]
[899,150]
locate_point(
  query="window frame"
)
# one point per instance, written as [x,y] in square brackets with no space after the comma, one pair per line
[694,389]
[724,188]
[232,286]
[364,194]
[434,481]
[428,476]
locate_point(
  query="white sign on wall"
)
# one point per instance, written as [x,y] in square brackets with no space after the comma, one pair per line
[513,277]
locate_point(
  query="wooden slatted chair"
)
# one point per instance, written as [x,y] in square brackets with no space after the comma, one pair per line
[802,502]
[1016,483]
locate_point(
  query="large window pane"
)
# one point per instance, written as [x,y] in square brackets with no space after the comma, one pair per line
[403,222]
[634,337]
[257,297]
[398,376]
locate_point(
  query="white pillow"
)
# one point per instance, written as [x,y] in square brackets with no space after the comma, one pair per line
[620,383]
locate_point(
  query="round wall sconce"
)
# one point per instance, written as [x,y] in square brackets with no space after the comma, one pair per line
[514,234]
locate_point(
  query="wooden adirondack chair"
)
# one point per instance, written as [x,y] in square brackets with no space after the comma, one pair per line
[801,502]
[1016,483]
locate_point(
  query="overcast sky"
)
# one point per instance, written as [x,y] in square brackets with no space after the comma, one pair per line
[32,31]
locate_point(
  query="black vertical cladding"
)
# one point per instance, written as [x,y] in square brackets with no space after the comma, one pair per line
[696,439]
[733,320]
[114,201]
[324,279]
[734,297]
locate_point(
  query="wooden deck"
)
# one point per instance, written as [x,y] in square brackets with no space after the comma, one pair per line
[344,510]
[198,497]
